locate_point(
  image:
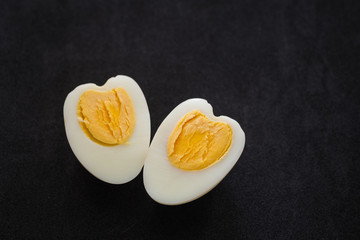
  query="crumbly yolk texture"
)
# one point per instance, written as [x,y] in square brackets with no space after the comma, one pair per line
[107,118]
[197,142]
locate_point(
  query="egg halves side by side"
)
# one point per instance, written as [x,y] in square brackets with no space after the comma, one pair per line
[107,157]
[108,129]
[170,185]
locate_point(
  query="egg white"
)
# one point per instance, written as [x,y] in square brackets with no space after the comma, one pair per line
[113,164]
[170,185]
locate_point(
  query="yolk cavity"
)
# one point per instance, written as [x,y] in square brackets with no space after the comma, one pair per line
[107,117]
[197,142]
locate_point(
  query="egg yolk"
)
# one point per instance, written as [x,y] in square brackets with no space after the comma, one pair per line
[107,117]
[197,142]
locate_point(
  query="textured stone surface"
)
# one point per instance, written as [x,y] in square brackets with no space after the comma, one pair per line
[288,71]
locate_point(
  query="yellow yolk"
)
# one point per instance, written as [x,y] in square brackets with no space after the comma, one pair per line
[107,117]
[197,142]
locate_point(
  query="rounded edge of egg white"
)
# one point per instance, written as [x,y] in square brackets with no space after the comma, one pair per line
[108,163]
[169,185]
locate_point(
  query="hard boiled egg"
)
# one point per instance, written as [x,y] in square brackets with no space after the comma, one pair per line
[192,151]
[108,128]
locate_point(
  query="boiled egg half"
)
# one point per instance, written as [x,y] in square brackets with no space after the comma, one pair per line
[108,128]
[191,152]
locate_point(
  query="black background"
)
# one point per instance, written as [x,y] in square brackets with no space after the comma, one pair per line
[287,71]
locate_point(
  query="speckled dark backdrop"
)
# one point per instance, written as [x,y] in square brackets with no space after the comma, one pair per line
[288,71]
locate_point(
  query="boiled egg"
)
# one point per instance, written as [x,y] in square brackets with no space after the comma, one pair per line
[191,152]
[108,128]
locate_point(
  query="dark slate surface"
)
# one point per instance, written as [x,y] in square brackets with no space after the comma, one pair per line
[288,71]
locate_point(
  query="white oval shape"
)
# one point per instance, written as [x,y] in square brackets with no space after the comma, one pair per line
[169,185]
[112,164]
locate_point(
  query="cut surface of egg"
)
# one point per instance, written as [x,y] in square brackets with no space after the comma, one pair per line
[108,128]
[191,152]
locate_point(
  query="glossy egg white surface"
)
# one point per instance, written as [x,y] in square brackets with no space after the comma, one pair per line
[112,164]
[170,185]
